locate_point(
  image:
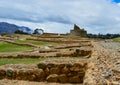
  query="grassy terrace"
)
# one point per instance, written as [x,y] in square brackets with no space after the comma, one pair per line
[4,61]
[7,47]
[32,42]
[116,39]
[20,61]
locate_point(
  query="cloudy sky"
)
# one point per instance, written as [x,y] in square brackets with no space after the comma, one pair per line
[95,16]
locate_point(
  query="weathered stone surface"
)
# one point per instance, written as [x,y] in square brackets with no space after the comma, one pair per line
[61,66]
[42,65]
[77,67]
[2,73]
[47,71]
[52,78]
[75,79]
[65,70]
[39,75]
[51,65]
[22,75]
[81,74]
[68,65]
[55,70]
[32,75]
[10,73]
[78,32]
[63,78]
[78,64]
[71,74]
[82,52]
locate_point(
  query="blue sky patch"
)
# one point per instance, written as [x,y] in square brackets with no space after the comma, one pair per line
[117,1]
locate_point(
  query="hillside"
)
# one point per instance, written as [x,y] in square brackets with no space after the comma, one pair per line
[11,28]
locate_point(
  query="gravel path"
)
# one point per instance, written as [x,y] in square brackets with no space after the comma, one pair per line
[115,46]
[107,62]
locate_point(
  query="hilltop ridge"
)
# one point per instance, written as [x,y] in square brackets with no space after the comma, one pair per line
[11,28]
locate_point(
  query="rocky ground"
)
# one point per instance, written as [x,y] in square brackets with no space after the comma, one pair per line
[107,62]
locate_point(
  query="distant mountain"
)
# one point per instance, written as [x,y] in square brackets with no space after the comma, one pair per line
[11,28]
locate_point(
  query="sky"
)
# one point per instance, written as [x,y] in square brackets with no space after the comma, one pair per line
[117,1]
[59,16]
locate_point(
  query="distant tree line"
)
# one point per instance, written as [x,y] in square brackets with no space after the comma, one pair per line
[103,36]
[36,31]
[20,32]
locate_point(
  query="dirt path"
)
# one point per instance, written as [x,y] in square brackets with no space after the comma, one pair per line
[16,82]
[115,46]
[107,62]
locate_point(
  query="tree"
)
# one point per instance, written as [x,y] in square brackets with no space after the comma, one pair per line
[20,32]
[38,31]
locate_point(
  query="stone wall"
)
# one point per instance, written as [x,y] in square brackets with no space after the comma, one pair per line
[45,71]
[65,72]
[72,52]
[79,32]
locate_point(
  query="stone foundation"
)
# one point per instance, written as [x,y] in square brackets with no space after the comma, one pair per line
[65,72]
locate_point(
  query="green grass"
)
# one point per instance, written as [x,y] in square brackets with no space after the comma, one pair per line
[4,61]
[32,42]
[7,47]
[117,39]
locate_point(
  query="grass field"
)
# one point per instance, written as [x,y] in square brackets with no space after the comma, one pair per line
[116,39]
[32,42]
[20,61]
[7,47]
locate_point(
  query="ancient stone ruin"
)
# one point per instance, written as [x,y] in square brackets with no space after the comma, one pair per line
[78,31]
[67,59]
[69,71]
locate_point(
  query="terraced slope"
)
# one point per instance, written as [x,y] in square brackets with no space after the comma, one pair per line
[68,59]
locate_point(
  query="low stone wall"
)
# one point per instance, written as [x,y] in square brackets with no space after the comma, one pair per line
[47,50]
[50,53]
[74,53]
[65,72]
[5,38]
[50,72]
[68,46]
[58,40]
[73,46]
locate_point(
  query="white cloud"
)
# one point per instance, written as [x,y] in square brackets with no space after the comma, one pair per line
[119,4]
[96,16]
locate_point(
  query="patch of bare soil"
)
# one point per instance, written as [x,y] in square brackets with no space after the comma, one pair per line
[18,82]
